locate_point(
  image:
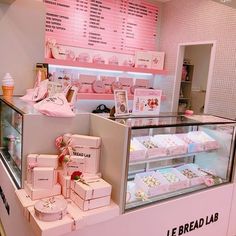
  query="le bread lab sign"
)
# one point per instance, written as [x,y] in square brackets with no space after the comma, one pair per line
[193,225]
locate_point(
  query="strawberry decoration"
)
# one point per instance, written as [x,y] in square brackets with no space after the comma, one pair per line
[76,175]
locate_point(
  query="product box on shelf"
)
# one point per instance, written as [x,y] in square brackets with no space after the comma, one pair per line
[190,171]
[127,83]
[143,59]
[38,193]
[91,157]
[91,189]
[192,146]
[152,183]
[42,160]
[172,143]
[85,141]
[153,149]
[108,81]
[86,83]
[157,60]
[44,177]
[137,151]
[175,178]
[91,203]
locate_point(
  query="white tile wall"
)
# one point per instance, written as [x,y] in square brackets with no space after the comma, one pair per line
[204,20]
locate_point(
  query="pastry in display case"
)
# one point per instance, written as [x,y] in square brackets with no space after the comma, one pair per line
[175,155]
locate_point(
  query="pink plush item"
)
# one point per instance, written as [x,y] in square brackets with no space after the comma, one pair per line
[98,86]
[36,194]
[51,209]
[90,204]
[91,189]
[56,106]
[189,112]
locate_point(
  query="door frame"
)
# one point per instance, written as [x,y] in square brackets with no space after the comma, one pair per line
[178,72]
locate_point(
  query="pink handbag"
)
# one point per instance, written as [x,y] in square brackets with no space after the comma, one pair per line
[56,106]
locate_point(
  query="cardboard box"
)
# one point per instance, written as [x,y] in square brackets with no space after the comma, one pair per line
[44,177]
[36,194]
[90,204]
[85,141]
[42,160]
[92,189]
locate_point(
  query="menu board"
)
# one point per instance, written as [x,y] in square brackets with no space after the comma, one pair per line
[120,26]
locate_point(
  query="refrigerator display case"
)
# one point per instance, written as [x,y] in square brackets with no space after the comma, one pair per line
[169,156]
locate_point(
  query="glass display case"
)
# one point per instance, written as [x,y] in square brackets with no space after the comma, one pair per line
[176,155]
[11,140]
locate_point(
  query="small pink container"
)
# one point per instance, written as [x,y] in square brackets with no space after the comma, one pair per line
[50,210]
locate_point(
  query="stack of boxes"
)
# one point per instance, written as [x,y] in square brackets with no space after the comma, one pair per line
[42,176]
[80,178]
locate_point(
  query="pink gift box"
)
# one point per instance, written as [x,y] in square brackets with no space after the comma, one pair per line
[55,228]
[44,177]
[75,163]
[89,204]
[64,181]
[92,189]
[51,209]
[38,193]
[91,157]
[42,160]
[107,80]
[86,83]
[141,83]
[25,202]
[85,141]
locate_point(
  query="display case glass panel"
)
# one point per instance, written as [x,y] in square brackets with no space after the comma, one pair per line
[172,156]
[11,140]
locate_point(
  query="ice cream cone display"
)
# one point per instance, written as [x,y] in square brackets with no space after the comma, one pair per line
[7,86]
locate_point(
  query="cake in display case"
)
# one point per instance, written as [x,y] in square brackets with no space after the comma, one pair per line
[170,156]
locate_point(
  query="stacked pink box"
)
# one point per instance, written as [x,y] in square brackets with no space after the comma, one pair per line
[42,176]
[84,155]
[91,194]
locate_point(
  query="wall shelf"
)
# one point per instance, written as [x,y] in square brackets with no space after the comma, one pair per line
[100,96]
[91,66]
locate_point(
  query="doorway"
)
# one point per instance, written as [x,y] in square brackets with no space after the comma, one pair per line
[193,76]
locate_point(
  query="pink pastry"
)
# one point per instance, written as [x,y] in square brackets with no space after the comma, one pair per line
[98,86]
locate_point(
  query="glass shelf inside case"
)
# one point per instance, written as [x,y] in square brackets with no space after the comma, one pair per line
[171,156]
[11,140]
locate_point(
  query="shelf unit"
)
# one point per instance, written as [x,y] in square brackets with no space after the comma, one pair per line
[92,66]
[186,87]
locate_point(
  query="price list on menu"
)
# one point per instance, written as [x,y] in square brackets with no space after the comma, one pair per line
[122,26]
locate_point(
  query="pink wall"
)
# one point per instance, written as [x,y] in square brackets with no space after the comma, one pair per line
[203,20]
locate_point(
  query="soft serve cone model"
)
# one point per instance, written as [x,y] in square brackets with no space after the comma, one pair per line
[7,86]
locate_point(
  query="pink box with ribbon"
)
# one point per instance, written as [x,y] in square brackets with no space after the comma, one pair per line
[85,141]
[90,204]
[42,160]
[91,189]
